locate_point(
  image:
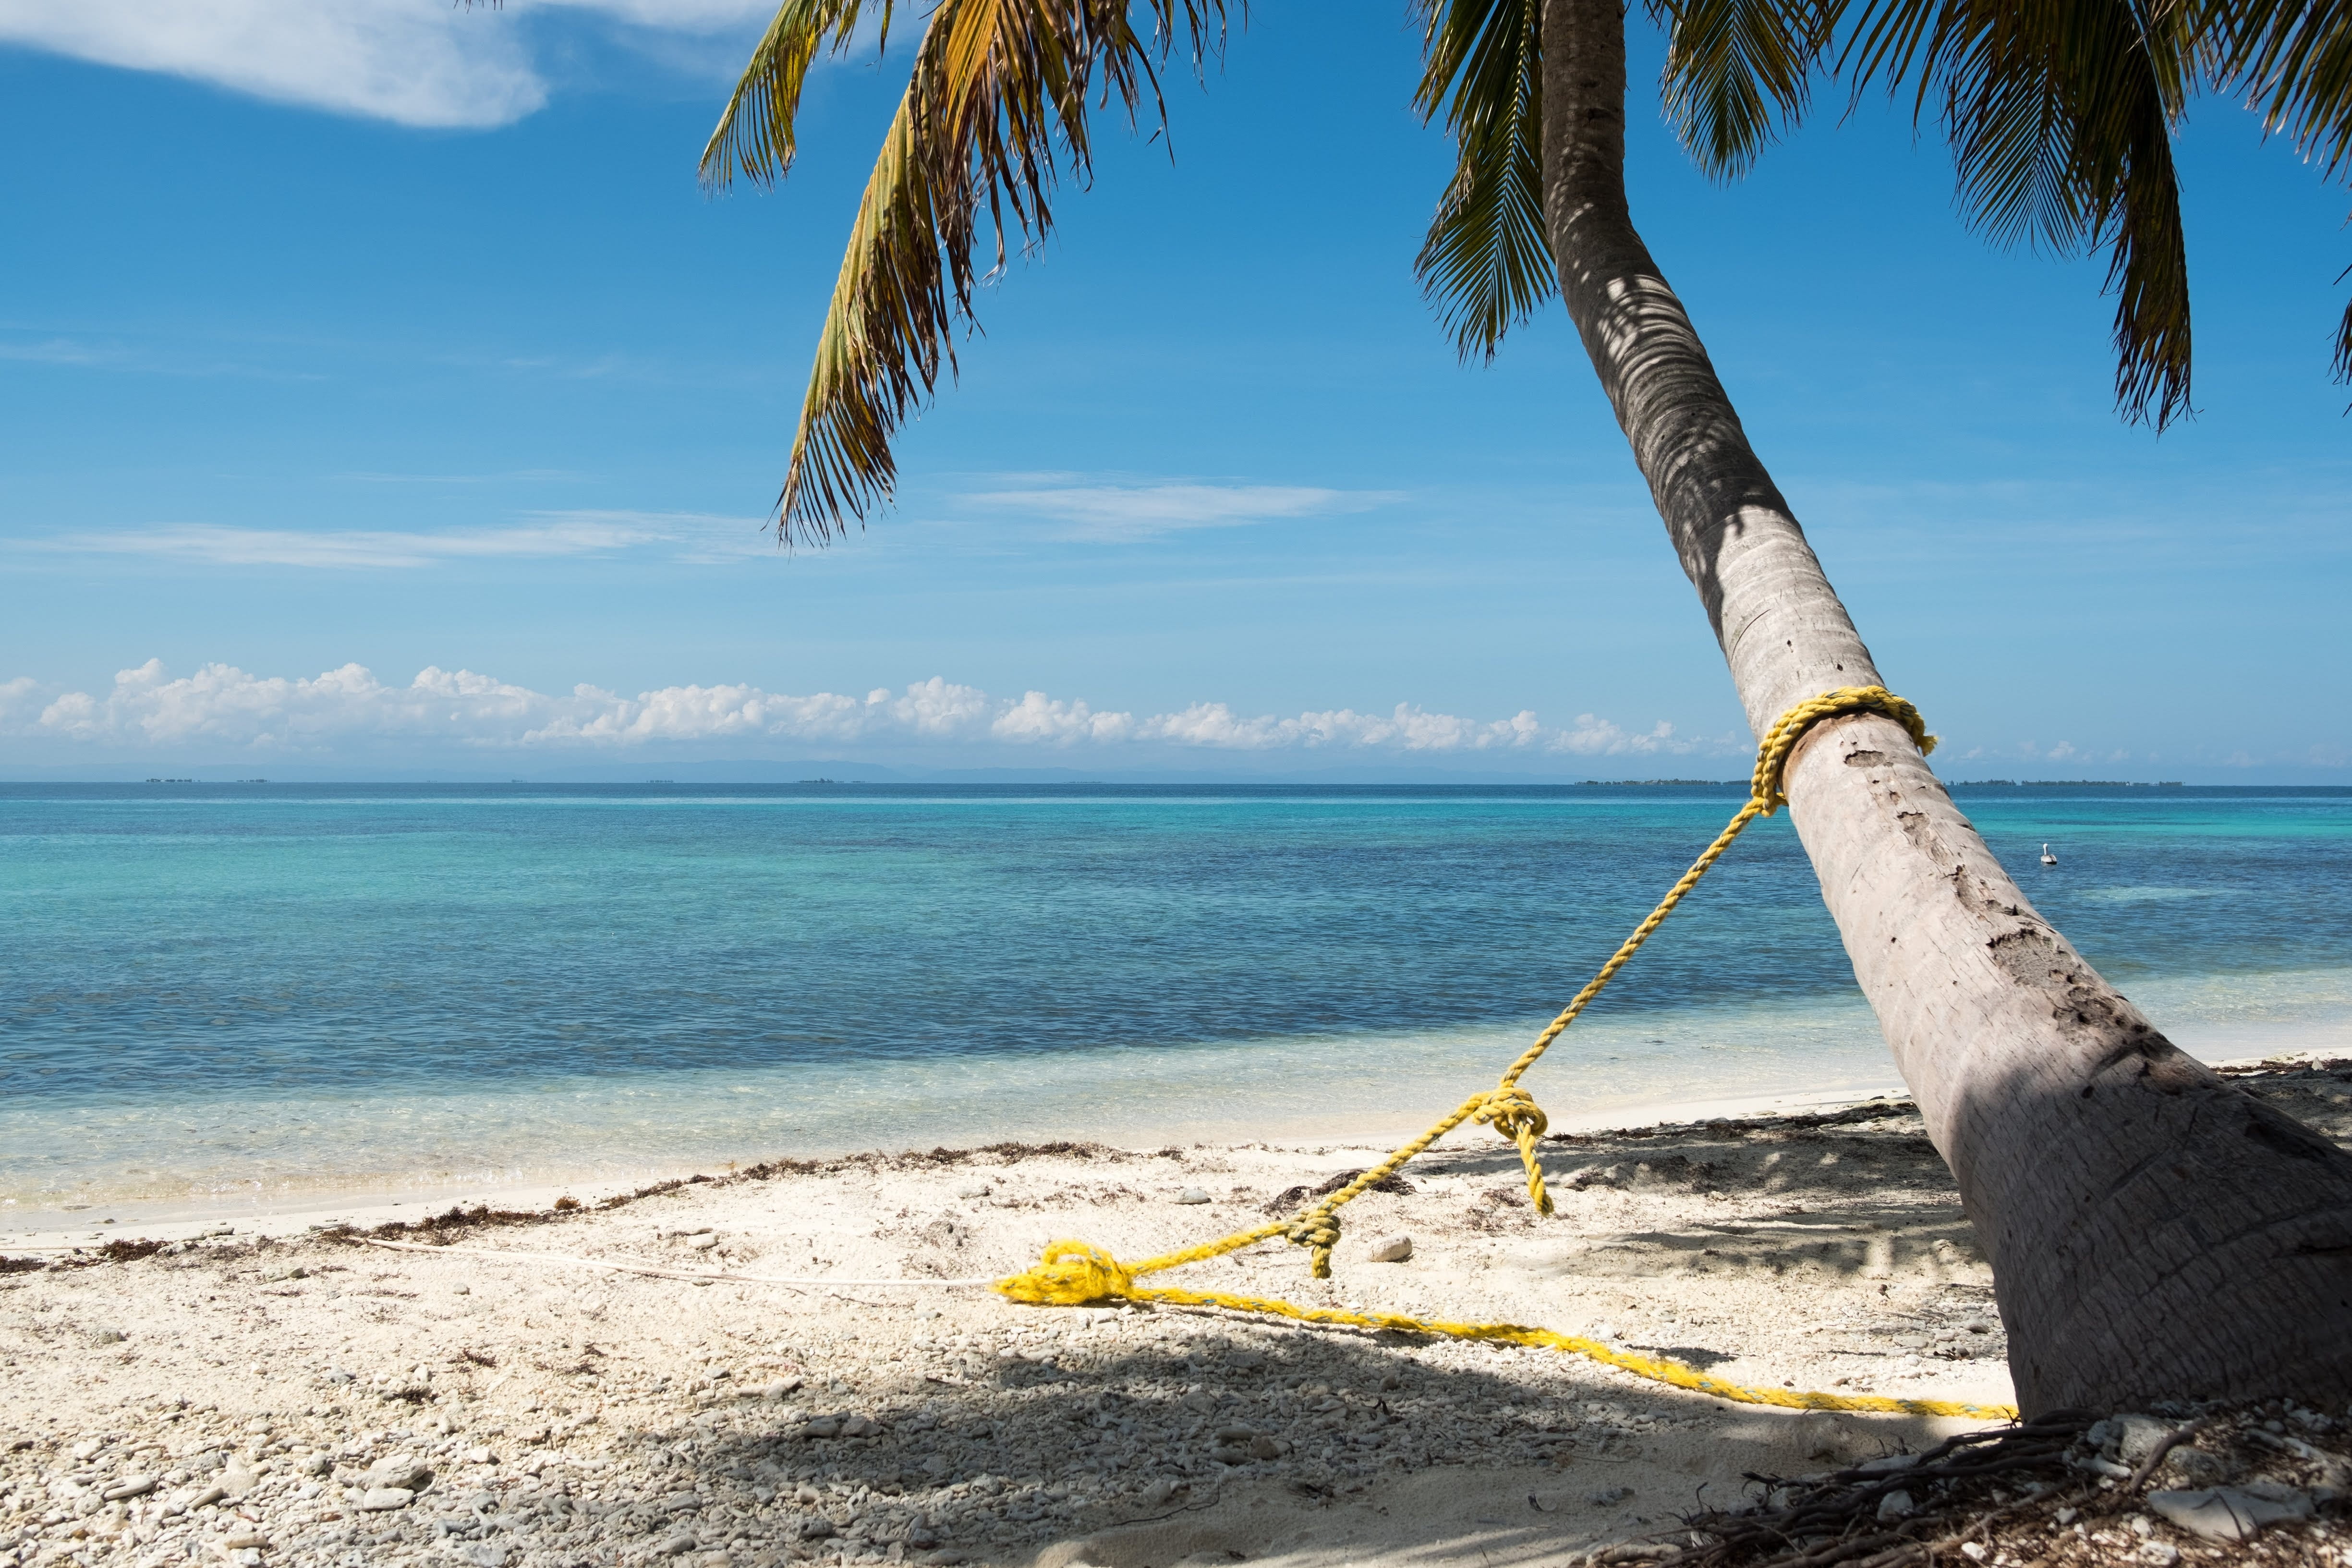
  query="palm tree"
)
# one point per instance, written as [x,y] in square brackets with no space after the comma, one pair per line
[2154,1231]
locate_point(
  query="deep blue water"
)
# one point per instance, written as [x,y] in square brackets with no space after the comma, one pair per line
[280,951]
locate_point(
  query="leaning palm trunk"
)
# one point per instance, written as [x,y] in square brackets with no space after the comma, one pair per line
[2153,1231]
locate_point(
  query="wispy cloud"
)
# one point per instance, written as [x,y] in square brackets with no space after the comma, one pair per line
[688,536]
[227,708]
[1117,513]
[414,62]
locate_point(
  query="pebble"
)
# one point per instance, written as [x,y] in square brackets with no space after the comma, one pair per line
[129,1487]
[1894,1505]
[1389,1249]
[974,1190]
[384,1499]
[702,1243]
[1193,1196]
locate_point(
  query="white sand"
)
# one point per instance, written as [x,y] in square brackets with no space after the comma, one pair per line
[570,1415]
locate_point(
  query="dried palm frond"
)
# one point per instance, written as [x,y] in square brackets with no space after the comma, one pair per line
[2060,115]
[1487,262]
[994,116]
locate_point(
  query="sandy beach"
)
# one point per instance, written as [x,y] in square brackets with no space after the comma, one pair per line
[311,1397]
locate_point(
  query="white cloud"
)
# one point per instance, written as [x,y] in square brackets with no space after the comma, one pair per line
[415,62]
[696,537]
[1118,514]
[227,708]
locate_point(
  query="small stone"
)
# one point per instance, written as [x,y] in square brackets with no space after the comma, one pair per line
[1607,1496]
[823,1426]
[482,1554]
[1265,1448]
[246,1540]
[676,1546]
[2160,1554]
[2231,1513]
[779,1388]
[1887,1462]
[402,1473]
[2194,1468]
[480,1456]
[129,1487]
[1894,1505]
[936,1465]
[86,1449]
[945,1557]
[1389,1249]
[384,1499]
[1230,1454]
[702,1243]
[973,1190]
[209,1496]
[235,1479]
[817,1527]
[1161,1490]
[1193,1196]
[2136,1437]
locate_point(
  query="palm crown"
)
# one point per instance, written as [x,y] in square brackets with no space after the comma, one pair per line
[2060,115]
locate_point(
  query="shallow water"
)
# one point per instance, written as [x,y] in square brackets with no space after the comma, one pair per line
[224,989]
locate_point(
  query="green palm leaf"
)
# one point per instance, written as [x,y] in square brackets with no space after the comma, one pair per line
[1737,71]
[994,116]
[1486,263]
[2060,115]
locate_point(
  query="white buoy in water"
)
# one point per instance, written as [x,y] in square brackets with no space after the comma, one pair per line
[2047,857]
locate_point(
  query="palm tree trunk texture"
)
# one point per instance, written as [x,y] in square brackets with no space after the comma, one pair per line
[2154,1231]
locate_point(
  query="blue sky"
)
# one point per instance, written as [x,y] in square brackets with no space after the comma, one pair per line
[342,343]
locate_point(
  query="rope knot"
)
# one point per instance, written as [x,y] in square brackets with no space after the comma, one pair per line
[1318,1230]
[1071,1274]
[1513,1112]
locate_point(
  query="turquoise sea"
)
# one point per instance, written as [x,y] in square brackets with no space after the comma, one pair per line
[215,990]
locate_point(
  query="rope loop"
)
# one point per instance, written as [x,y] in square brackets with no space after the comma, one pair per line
[1071,1274]
[1513,1112]
[1772,752]
[1318,1230]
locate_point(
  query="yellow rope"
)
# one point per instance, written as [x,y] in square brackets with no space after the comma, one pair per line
[1073,1273]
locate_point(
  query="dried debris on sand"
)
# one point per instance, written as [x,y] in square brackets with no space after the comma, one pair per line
[315,1400]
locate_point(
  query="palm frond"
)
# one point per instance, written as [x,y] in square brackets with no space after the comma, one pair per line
[2060,115]
[2294,57]
[994,117]
[1737,71]
[755,131]
[1487,262]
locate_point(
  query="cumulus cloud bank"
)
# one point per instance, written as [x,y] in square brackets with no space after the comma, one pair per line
[414,62]
[224,709]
